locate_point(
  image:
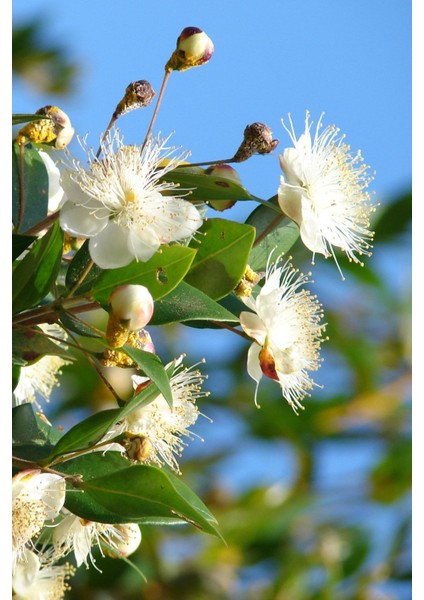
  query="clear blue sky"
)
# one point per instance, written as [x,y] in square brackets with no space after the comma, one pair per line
[349,59]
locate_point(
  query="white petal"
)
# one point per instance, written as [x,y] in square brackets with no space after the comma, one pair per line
[143,243]
[176,219]
[289,199]
[109,249]
[253,326]
[254,367]
[81,222]
[26,573]
[310,230]
[56,193]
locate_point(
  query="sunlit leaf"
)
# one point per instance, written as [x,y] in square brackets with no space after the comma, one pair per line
[34,274]
[221,257]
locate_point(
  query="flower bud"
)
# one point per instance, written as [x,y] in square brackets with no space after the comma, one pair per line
[257,139]
[131,308]
[137,447]
[125,539]
[226,172]
[138,94]
[57,128]
[194,48]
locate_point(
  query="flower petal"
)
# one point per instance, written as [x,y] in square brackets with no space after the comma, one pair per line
[253,326]
[289,199]
[143,243]
[109,249]
[81,222]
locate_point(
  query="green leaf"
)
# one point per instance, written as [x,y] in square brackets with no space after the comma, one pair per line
[206,188]
[34,274]
[77,267]
[28,167]
[186,303]
[274,232]
[24,118]
[135,492]
[27,427]
[153,368]
[30,344]
[161,274]
[221,257]
[20,243]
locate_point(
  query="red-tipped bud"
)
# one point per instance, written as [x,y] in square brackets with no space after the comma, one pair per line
[226,172]
[125,538]
[138,94]
[194,48]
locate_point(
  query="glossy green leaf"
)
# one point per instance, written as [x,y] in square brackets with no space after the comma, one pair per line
[204,187]
[186,303]
[30,344]
[161,274]
[20,243]
[30,200]
[134,492]
[77,268]
[74,324]
[274,233]
[33,276]
[27,427]
[153,368]
[221,257]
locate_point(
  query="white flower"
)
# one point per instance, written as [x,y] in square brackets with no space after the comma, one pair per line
[323,191]
[162,426]
[33,581]
[122,207]
[79,536]
[286,328]
[36,498]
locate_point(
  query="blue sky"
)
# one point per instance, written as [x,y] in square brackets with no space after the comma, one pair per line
[351,60]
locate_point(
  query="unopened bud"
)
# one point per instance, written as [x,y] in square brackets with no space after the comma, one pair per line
[137,447]
[131,308]
[138,94]
[125,538]
[257,140]
[194,48]
[57,128]
[226,172]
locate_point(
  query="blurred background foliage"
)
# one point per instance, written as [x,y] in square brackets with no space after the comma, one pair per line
[312,507]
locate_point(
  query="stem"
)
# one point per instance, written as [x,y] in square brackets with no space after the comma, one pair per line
[210,162]
[94,364]
[70,455]
[81,279]
[44,224]
[230,328]
[29,464]
[155,112]
[108,128]
[49,312]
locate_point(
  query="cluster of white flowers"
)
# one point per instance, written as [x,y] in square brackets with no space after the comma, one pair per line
[38,502]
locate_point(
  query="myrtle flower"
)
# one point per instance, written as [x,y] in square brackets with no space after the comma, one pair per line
[286,326]
[323,191]
[36,498]
[122,207]
[37,380]
[34,581]
[79,536]
[164,427]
